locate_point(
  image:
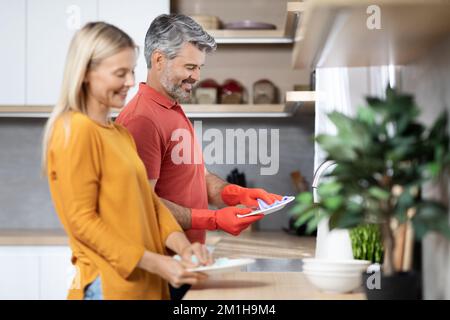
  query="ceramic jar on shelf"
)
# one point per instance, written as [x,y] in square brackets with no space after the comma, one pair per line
[265,92]
[232,92]
[207,92]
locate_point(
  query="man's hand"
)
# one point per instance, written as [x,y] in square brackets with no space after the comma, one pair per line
[224,219]
[233,194]
[228,221]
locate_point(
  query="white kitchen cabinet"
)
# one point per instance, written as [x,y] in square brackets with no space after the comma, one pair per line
[35,272]
[50,27]
[56,273]
[12,62]
[134,17]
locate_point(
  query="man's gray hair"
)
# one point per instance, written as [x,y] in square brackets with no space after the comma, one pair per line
[168,33]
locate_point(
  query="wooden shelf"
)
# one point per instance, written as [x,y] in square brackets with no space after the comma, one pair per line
[295,100]
[306,99]
[191,110]
[301,96]
[250,37]
[334,33]
[285,36]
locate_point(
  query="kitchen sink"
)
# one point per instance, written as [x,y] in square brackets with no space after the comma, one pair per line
[274,265]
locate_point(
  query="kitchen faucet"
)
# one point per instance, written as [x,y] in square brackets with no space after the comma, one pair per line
[334,244]
[318,174]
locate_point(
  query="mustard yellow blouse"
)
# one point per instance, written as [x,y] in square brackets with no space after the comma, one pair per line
[102,196]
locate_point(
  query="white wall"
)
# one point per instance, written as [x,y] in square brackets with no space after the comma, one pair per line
[429,81]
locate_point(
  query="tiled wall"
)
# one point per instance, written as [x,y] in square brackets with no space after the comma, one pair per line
[24,197]
[25,200]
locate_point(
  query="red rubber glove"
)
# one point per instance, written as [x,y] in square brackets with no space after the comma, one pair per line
[233,194]
[224,219]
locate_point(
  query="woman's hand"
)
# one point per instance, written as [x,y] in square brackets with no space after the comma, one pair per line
[176,274]
[170,269]
[196,254]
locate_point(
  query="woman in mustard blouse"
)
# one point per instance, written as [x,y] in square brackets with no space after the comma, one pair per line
[118,229]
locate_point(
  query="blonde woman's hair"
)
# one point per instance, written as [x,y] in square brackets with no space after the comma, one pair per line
[93,43]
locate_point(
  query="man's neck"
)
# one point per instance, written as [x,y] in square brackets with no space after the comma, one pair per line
[153,82]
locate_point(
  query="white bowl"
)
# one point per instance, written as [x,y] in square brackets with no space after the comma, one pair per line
[335,265]
[343,270]
[334,282]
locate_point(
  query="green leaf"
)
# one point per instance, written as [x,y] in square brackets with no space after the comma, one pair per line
[379,193]
[374,102]
[366,115]
[305,217]
[333,203]
[299,209]
[305,198]
[350,131]
[335,147]
[350,221]
[313,223]
[439,127]
[431,170]
[330,188]
[420,228]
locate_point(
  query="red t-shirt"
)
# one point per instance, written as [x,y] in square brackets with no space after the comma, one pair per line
[160,129]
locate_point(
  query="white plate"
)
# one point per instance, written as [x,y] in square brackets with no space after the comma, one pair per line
[268,210]
[223,265]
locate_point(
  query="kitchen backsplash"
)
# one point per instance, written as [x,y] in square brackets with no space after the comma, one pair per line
[25,199]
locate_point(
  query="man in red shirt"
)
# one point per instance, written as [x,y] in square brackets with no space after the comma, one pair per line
[175,50]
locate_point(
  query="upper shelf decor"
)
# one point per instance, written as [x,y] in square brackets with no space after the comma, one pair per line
[248,35]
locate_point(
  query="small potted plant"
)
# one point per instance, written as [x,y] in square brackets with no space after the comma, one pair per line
[367,243]
[384,158]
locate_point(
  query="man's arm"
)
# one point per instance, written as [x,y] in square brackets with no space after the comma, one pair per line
[222,193]
[214,187]
[181,214]
[224,219]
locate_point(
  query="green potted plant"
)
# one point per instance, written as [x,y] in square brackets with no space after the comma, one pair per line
[384,157]
[366,243]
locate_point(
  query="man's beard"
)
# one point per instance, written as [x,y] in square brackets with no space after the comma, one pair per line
[175,90]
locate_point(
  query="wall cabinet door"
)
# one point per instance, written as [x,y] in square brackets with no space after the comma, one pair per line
[12,62]
[50,27]
[134,17]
